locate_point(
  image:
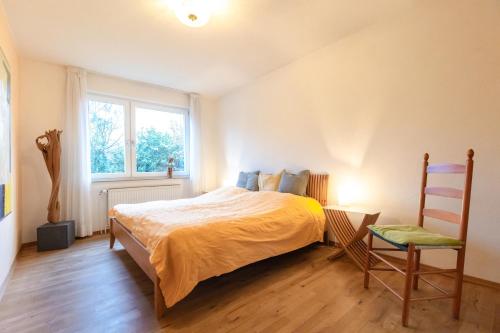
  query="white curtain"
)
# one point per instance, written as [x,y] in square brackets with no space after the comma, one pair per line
[76,175]
[195,149]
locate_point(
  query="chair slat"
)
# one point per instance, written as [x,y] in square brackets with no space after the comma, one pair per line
[447,192]
[446,168]
[442,215]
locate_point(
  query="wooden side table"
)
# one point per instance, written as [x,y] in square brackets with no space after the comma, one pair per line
[350,239]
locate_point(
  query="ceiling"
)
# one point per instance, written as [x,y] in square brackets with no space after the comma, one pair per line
[143,40]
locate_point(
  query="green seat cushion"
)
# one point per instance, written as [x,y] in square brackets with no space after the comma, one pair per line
[405,234]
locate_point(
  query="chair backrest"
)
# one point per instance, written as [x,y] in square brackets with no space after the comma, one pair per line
[461,219]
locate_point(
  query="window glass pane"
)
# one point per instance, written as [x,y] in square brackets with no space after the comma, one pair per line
[107,137]
[159,136]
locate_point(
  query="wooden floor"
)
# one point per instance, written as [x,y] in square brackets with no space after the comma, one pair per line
[89,288]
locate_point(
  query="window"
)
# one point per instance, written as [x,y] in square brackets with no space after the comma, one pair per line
[133,139]
[108,153]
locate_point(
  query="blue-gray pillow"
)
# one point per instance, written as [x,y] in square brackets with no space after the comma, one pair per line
[252,182]
[294,183]
[243,178]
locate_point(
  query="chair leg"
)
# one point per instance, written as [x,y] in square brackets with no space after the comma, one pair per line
[458,282]
[367,263]
[408,281]
[416,269]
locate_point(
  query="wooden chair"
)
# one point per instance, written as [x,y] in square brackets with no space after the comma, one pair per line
[412,272]
[350,240]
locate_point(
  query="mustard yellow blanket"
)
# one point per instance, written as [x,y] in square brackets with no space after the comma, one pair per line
[191,240]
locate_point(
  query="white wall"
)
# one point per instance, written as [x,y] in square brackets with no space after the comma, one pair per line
[10,228]
[118,87]
[42,105]
[42,101]
[368,106]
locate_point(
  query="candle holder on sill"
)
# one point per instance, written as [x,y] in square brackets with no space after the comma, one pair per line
[170,167]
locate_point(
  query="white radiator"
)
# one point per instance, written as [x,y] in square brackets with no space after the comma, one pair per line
[130,195]
[108,198]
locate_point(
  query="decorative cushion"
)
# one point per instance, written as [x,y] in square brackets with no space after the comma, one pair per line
[252,182]
[405,234]
[243,178]
[294,183]
[269,181]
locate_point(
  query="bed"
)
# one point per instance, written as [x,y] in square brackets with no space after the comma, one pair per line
[179,243]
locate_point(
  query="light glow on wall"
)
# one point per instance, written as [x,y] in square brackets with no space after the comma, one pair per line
[350,191]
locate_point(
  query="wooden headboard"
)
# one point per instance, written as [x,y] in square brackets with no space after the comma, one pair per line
[317,187]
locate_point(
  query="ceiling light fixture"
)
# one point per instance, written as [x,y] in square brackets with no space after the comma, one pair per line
[196,13]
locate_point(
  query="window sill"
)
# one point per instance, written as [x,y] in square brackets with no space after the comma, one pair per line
[128,179]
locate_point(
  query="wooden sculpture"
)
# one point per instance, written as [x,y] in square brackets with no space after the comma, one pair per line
[50,146]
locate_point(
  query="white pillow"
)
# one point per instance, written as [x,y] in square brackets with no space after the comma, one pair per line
[269,181]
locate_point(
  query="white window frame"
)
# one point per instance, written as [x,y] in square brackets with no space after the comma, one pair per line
[163,108]
[129,107]
[126,117]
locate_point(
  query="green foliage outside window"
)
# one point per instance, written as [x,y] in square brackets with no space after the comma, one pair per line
[107,151]
[153,147]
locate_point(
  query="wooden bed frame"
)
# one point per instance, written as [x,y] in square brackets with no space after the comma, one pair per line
[317,188]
